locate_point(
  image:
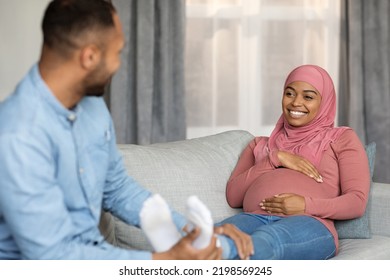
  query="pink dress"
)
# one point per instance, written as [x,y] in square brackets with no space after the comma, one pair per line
[343,194]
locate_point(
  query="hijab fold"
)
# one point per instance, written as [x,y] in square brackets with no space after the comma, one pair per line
[311,140]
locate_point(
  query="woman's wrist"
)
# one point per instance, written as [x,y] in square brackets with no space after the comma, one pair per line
[275,158]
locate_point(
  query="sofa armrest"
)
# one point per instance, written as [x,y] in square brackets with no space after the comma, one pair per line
[379,211]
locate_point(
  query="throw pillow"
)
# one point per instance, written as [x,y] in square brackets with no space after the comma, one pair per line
[359,228]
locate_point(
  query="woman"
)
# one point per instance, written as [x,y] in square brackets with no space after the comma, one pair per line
[295,183]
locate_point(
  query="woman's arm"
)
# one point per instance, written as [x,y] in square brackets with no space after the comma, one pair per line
[354,182]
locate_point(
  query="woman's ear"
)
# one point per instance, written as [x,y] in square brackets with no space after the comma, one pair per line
[90,57]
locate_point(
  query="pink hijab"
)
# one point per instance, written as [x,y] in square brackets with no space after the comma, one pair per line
[311,140]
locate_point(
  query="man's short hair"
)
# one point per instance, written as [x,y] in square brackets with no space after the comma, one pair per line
[67,22]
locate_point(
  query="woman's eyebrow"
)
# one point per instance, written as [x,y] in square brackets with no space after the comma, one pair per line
[305,90]
[290,88]
[309,90]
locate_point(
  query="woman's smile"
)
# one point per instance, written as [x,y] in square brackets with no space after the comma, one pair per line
[301,102]
[297,114]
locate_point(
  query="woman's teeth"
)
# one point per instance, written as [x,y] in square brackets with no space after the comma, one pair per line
[297,113]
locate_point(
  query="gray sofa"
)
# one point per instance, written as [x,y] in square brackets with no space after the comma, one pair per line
[202,166]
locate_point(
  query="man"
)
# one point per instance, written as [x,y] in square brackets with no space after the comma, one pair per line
[59,164]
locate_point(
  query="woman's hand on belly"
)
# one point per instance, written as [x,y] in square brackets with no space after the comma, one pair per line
[299,164]
[286,203]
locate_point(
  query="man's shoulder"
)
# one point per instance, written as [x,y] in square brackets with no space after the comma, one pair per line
[19,110]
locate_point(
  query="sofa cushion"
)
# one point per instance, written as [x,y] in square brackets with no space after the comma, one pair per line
[375,248]
[359,227]
[380,209]
[177,170]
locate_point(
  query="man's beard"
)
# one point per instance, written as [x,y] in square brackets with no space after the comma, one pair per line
[97,82]
[98,89]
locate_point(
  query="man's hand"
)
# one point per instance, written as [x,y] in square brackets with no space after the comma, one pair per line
[299,164]
[242,240]
[286,203]
[184,250]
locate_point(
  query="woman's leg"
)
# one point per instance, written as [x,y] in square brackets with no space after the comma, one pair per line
[295,237]
[247,223]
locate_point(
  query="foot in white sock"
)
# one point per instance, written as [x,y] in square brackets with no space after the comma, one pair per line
[200,216]
[157,223]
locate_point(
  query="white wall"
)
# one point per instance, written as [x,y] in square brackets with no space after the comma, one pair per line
[20,40]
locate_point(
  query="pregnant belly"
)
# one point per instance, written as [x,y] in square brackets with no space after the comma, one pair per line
[282,180]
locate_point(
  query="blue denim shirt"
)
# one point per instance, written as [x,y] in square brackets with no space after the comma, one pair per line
[58,169]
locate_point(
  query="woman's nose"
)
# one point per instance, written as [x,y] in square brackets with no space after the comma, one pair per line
[297,101]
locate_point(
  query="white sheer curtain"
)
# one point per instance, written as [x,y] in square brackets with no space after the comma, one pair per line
[238,53]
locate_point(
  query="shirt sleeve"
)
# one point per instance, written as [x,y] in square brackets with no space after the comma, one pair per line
[247,170]
[33,207]
[124,196]
[354,178]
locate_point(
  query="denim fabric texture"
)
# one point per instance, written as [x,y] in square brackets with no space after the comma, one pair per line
[278,238]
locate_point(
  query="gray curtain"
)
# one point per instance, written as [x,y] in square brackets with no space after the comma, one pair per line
[146,96]
[365,76]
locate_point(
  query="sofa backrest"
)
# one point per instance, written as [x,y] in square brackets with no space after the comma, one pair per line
[177,170]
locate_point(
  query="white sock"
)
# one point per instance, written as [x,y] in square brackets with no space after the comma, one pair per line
[158,225]
[199,215]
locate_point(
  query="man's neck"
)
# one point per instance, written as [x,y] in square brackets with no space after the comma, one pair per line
[62,78]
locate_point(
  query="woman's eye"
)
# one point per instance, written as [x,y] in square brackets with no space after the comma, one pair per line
[289,94]
[308,97]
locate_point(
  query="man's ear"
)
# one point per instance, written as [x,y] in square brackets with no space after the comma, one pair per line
[90,57]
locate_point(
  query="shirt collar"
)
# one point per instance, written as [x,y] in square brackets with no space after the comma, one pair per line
[63,112]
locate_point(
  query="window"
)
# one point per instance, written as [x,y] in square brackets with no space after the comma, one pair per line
[238,53]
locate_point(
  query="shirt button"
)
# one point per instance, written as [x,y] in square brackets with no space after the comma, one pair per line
[81,170]
[72,117]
